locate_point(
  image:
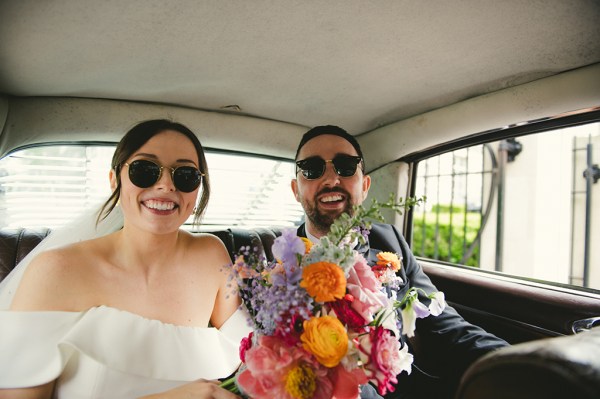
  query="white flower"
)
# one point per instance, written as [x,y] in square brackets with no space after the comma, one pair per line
[438,304]
[389,320]
[406,360]
[413,310]
[354,357]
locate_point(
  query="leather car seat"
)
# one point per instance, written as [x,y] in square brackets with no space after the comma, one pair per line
[561,367]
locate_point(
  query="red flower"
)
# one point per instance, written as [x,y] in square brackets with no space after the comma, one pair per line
[245,344]
[347,315]
[379,270]
[289,331]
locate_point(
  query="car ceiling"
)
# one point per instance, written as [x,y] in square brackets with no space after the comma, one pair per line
[358,64]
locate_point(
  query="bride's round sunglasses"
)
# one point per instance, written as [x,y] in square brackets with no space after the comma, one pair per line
[314,167]
[145,174]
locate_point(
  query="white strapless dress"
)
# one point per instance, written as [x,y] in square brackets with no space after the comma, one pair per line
[110,353]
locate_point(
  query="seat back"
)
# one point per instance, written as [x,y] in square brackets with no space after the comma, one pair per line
[562,367]
[15,243]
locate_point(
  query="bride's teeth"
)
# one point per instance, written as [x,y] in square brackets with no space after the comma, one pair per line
[160,205]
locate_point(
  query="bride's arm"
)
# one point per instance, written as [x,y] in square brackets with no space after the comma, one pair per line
[29,297]
[39,392]
[227,300]
[200,389]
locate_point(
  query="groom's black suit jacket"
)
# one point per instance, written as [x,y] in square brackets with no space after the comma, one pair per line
[447,340]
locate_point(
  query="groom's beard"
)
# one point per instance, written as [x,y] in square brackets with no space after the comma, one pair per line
[322,220]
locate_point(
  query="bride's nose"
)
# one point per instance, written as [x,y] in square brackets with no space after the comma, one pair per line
[165,181]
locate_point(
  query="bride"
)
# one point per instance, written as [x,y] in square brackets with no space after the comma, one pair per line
[144,309]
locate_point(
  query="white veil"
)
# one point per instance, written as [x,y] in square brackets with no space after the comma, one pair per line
[81,228]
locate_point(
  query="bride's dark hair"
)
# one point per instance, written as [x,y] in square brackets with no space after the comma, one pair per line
[136,138]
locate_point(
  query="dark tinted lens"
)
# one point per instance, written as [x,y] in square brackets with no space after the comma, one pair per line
[143,173]
[186,178]
[312,168]
[345,165]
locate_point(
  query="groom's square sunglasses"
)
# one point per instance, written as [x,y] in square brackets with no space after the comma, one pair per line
[145,174]
[314,167]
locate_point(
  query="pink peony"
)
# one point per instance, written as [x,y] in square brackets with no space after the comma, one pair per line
[276,370]
[346,384]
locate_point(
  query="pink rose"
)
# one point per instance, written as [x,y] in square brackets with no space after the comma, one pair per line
[363,275]
[366,290]
[385,358]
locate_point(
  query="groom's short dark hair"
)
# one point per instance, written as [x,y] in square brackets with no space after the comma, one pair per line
[329,129]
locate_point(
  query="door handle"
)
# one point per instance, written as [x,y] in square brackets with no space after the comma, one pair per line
[585,324]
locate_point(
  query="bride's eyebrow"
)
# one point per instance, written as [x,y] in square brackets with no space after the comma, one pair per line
[152,156]
[143,154]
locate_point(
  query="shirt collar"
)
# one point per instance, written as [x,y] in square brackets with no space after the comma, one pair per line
[312,238]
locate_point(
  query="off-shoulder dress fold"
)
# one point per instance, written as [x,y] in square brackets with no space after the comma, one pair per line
[105,352]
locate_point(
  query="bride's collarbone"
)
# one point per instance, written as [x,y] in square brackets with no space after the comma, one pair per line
[179,294]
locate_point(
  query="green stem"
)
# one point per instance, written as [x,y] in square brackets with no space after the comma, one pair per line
[230,385]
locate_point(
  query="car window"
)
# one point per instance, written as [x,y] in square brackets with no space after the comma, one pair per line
[46,186]
[524,206]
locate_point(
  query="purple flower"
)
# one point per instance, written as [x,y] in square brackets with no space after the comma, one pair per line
[420,309]
[278,303]
[287,248]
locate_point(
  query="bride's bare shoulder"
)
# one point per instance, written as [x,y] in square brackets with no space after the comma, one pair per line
[68,255]
[55,275]
[208,243]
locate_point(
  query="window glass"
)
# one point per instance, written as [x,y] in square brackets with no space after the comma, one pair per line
[250,191]
[527,206]
[47,186]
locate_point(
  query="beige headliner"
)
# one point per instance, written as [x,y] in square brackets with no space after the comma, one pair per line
[359,64]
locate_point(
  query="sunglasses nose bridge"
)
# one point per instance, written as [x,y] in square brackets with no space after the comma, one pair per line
[168,175]
[329,170]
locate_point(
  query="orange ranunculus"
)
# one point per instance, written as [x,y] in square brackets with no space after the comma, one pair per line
[388,259]
[307,243]
[326,338]
[324,281]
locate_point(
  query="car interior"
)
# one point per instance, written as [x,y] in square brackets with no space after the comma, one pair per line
[427,88]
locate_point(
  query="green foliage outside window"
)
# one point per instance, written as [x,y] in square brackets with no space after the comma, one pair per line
[446,227]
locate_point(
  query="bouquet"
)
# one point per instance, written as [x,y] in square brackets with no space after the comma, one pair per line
[324,321]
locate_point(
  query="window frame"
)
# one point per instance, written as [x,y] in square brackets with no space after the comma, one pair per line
[513,131]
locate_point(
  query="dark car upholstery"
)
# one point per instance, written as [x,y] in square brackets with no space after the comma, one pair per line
[15,243]
[551,368]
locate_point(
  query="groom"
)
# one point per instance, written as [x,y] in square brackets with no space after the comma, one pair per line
[330,179]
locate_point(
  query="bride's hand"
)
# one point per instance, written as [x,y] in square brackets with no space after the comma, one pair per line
[201,389]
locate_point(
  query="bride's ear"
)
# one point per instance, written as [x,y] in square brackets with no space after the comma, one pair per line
[112,176]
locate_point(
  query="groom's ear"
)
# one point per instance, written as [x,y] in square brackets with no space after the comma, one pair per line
[294,185]
[112,176]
